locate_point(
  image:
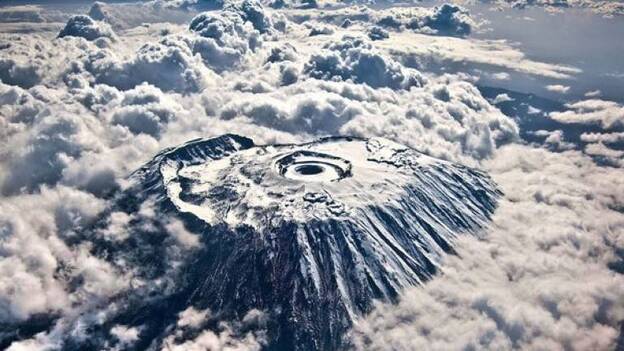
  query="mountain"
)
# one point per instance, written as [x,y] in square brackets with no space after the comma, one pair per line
[309,234]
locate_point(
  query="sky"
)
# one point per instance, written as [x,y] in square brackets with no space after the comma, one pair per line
[528,92]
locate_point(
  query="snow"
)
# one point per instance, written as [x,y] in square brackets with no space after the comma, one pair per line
[349,175]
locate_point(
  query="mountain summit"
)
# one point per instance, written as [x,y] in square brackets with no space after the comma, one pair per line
[308,234]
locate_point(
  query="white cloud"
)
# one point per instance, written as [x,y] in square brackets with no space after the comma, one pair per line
[126,336]
[185,238]
[555,139]
[501,76]
[593,94]
[533,110]
[77,116]
[33,228]
[558,88]
[446,19]
[86,27]
[607,138]
[607,114]
[192,317]
[22,13]
[353,58]
[500,98]
[230,336]
[210,341]
[432,51]
[599,149]
[605,8]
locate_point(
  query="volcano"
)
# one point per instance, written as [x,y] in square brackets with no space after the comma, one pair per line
[310,234]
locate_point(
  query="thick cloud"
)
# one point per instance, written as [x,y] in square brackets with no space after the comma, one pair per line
[86,27]
[17,106]
[145,109]
[446,19]
[230,336]
[18,73]
[447,118]
[19,14]
[450,118]
[32,60]
[55,141]
[352,58]
[77,116]
[227,36]
[168,64]
[442,52]
[34,252]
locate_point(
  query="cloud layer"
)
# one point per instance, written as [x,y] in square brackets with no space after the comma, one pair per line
[85,103]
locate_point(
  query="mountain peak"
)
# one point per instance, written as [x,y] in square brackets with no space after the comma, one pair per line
[309,233]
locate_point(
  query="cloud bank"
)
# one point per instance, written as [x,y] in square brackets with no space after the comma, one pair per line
[85,104]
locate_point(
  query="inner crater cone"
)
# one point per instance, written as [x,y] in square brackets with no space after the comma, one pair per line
[305,165]
[311,233]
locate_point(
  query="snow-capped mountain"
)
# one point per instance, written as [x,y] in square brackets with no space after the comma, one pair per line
[309,234]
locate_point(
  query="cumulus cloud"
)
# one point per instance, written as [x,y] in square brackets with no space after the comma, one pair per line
[500,98]
[81,112]
[126,336]
[607,114]
[558,88]
[18,73]
[168,64]
[555,139]
[225,37]
[145,109]
[352,58]
[34,252]
[321,30]
[54,142]
[446,19]
[185,238]
[192,317]
[449,117]
[86,27]
[607,138]
[230,336]
[599,149]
